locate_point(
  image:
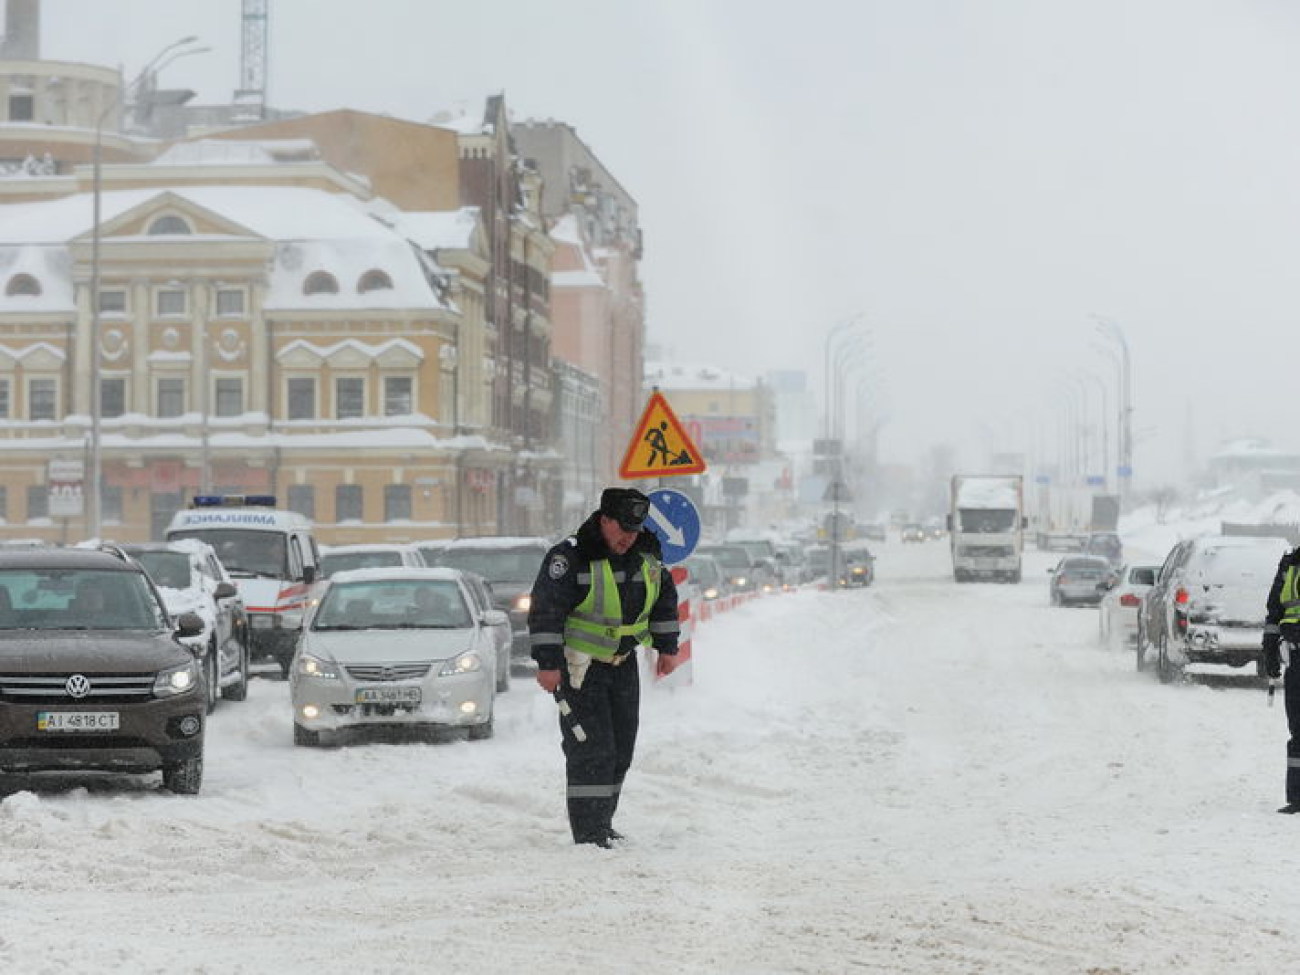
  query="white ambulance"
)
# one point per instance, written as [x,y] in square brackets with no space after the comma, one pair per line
[271,556]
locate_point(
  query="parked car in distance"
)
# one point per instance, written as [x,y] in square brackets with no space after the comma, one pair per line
[913,532]
[819,561]
[858,565]
[1107,545]
[93,674]
[708,575]
[1117,623]
[1207,604]
[792,564]
[191,579]
[510,564]
[371,555]
[395,649]
[1079,580]
[736,562]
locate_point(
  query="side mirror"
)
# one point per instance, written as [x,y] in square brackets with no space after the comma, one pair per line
[495,617]
[225,590]
[309,574]
[189,624]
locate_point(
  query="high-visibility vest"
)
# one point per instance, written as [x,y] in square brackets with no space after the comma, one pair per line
[1290,596]
[596,624]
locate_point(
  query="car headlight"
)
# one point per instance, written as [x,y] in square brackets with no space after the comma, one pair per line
[466,663]
[310,665]
[524,602]
[176,680]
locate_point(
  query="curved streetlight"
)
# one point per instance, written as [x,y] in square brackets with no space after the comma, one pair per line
[94,514]
[1124,469]
[828,378]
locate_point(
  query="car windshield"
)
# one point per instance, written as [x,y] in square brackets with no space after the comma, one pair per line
[496,564]
[332,562]
[730,557]
[167,569]
[704,572]
[408,604]
[244,552]
[1085,566]
[77,599]
[987,520]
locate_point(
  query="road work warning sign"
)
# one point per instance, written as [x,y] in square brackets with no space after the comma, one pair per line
[660,446]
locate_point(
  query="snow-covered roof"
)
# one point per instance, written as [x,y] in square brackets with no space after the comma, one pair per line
[433,230]
[315,231]
[672,375]
[236,152]
[49,265]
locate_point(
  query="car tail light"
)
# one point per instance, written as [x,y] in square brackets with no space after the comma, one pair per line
[1128,599]
[1181,596]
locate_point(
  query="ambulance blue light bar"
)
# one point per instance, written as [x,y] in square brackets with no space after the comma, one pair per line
[233,501]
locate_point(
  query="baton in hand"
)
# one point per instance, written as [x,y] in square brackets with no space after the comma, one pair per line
[566,712]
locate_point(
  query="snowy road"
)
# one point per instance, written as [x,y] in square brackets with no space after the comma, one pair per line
[917,777]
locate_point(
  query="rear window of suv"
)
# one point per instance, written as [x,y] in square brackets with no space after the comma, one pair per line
[496,563]
[77,599]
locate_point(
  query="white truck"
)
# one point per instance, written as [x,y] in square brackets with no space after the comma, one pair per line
[986,526]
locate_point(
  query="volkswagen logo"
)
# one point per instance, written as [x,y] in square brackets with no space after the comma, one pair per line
[78,686]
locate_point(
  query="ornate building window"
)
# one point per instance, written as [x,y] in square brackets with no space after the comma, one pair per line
[399,399]
[374,280]
[171,398]
[397,502]
[42,399]
[300,398]
[169,224]
[349,398]
[320,283]
[348,503]
[23,284]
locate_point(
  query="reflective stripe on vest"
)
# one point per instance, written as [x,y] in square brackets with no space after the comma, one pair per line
[1290,597]
[596,624]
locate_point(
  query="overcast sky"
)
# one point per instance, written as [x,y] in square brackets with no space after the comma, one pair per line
[977,179]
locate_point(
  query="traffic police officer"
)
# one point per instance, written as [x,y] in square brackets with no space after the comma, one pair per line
[1282,622]
[600,594]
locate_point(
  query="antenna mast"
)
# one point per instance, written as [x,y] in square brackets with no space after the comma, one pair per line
[252,61]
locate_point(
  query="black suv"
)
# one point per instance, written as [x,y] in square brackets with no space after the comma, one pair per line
[510,565]
[92,674]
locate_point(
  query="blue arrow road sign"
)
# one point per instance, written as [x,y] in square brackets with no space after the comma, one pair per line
[674,518]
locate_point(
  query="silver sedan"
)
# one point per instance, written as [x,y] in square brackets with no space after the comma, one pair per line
[1117,623]
[395,649]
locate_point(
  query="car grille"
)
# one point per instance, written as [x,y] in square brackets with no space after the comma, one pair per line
[387,672]
[104,741]
[52,688]
[987,551]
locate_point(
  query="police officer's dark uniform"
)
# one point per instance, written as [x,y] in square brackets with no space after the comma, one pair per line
[1282,622]
[591,608]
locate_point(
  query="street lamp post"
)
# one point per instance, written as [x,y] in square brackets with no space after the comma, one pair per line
[94,509]
[828,375]
[1124,469]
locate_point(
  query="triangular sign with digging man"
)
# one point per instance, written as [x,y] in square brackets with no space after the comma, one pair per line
[660,446]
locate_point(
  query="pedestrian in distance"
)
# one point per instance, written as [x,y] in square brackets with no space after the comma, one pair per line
[599,595]
[1282,625]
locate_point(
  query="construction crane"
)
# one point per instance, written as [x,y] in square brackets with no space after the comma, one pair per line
[251,94]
